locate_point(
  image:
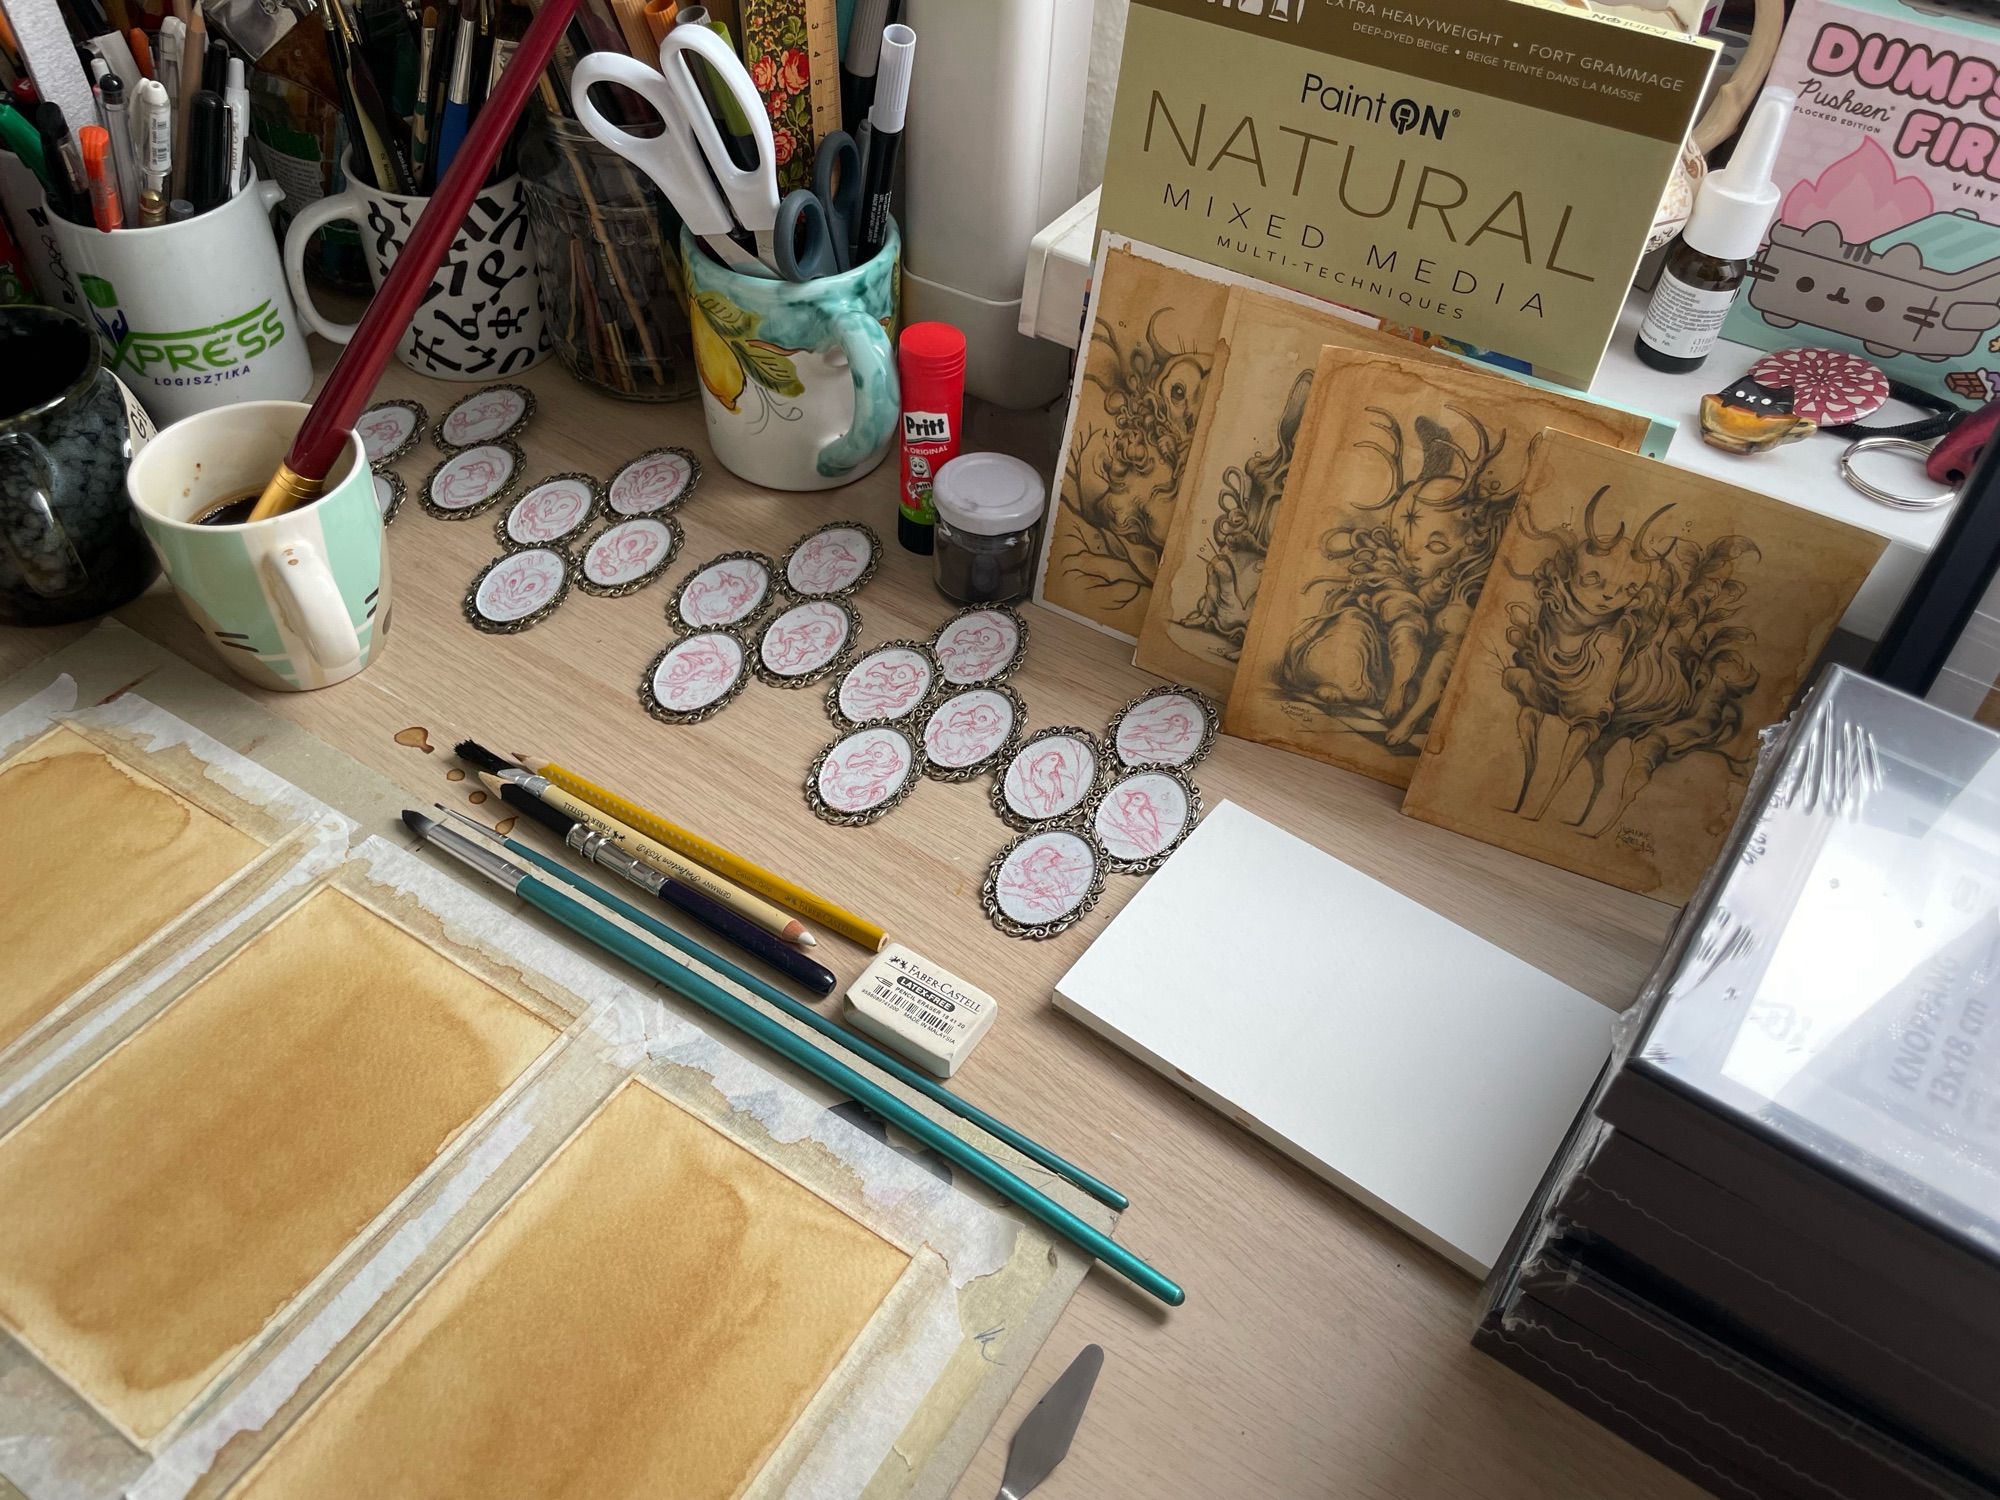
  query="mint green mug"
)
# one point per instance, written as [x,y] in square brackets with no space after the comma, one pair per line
[798,378]
[296,602]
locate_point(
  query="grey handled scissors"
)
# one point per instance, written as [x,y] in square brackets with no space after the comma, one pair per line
[815,225]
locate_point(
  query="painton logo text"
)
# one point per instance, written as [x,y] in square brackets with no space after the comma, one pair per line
[1403,115]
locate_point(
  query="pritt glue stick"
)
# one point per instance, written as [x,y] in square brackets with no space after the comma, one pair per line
[931,362]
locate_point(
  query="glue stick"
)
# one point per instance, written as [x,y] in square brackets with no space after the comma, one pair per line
[930,359]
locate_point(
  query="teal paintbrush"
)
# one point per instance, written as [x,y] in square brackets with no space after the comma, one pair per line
[788,1044]
[859,1045]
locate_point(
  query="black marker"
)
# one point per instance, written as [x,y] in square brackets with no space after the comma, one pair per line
[857,63]
[885,134]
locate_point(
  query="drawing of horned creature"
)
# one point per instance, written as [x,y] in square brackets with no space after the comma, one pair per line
[1122,482]
[1240,535]
[1627,654]
[1379,650]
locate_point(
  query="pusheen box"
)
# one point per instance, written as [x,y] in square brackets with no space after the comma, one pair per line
[1887,240]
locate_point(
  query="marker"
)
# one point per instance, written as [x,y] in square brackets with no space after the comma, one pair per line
[153,139]
[885,134]
[179,211]
[208,151]
[457,116]
[21,138]
[858,62]
[67,182]
[118,122]
[236,95]
[142,52]
[94,144]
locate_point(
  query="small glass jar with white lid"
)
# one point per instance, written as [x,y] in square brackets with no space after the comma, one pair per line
[989,513]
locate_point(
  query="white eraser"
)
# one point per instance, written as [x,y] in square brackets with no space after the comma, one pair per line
[909,1004]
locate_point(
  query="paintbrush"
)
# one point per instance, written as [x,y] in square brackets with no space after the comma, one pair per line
[598,849]
[795,1049]
[647,851]
[323,433]
[853,1041]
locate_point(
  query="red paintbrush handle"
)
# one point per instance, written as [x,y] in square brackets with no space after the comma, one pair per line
[326,426]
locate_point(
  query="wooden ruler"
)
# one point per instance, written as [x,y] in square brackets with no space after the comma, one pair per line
[823,54]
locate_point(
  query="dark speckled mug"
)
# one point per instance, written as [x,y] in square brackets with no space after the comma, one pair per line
[69,546]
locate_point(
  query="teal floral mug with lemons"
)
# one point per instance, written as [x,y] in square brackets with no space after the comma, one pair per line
[798,378]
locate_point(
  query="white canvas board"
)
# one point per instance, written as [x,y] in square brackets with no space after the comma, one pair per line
[1416,1066]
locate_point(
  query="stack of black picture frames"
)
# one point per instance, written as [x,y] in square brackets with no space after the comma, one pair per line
[1769,1252]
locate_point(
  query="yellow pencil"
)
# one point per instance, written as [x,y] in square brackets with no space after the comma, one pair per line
[713,856]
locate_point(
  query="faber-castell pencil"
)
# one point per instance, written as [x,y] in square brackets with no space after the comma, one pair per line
[788,1044]
[853,1041]
[654,855]
[787,893]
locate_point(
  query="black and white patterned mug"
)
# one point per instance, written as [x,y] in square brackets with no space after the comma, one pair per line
[481,319]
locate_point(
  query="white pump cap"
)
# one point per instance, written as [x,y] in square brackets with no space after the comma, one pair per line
[1736,205]
[892,79]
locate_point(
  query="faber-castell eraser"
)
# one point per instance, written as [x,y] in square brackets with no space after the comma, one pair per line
[910,1005]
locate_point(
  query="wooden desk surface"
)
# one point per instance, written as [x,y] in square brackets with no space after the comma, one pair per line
[1321,1352]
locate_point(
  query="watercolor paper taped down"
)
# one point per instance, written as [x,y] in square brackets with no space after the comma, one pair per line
[1244,445]
[1640,626]
[1138,395]
[1405,478]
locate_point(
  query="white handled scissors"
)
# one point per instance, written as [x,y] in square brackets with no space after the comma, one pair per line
[689,159]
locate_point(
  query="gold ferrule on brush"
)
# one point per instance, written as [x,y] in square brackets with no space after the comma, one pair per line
[286,491]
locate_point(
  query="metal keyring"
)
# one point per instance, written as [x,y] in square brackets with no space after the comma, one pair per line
[1873,491]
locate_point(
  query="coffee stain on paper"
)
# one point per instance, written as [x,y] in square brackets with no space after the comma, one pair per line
[235,1144]
[72,816]
[648,1316]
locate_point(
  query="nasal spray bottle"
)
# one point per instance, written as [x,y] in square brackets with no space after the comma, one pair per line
[1710,257]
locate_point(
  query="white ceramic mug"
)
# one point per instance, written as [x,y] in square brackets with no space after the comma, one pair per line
[299,601]
[193,315]
[482,317]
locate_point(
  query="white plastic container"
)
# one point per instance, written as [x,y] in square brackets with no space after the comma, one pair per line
[989,156]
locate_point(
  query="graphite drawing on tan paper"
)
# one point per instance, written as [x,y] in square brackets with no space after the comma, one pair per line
[235,1144]
[649,1315]
[1404,484]
[169,854]
[1138,396]
[1640,626]
[1199,611]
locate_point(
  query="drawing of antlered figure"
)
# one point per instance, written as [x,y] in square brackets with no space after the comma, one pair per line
[1396,605]
[1628,647]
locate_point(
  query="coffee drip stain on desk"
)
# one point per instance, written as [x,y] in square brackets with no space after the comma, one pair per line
[416,737]
[235,1144]
[651,1314]
[70,816]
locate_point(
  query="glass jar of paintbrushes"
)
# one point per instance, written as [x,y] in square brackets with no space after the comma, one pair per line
[604,236]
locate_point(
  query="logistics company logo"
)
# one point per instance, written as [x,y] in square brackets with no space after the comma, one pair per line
[218,351]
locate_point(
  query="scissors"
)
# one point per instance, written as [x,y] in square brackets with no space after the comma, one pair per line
[688,158]
[816,225]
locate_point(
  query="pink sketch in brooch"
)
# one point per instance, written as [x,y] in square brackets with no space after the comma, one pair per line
[977,646]
[475,475]
[518,585]
[484,416]
[829,561]
[968,728]
[1162,731]
[649,484]
[803,639]
[384,430]
[864,770]
[697,671]
[1141,816]
[725,592]
[628,551]
[885,685]
[1045,878]
[1050,777]
[549,511]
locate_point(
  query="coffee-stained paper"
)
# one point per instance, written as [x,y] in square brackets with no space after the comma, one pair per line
[1639,627]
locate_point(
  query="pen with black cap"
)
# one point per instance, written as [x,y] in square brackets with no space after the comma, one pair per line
[885,134]
[208,150]
[712,914]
